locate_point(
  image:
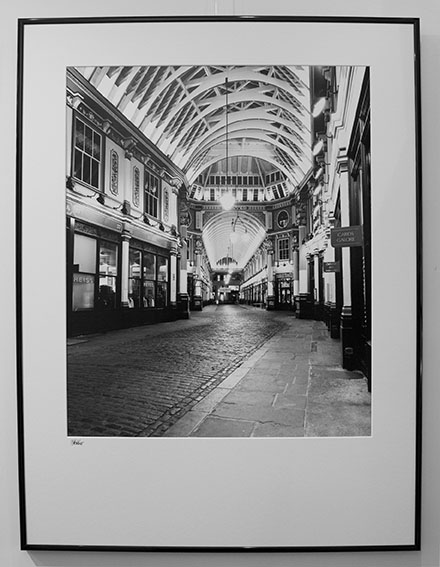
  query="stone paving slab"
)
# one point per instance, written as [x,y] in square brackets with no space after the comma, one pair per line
[277,430]
[263,414]
[290,400]
[218,427]
[262,382]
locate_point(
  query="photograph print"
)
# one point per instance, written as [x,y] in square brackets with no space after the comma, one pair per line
[218,256]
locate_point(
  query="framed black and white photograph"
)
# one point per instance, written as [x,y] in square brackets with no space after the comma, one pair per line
[219,345]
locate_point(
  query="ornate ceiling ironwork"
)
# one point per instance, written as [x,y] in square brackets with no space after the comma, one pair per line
[182,110]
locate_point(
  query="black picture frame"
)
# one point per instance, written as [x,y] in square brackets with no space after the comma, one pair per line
[36,454]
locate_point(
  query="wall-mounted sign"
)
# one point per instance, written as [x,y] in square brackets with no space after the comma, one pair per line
[346,236]
[330,267]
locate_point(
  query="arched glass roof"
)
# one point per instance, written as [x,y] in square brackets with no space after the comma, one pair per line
[182,109]
[231,234]
[221,122]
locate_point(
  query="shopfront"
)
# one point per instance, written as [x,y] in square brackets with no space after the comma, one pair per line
[284,292]
[95,281]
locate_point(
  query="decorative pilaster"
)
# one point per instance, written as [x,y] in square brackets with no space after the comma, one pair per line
[332,315]
[295,257]
[198,299]
[303,300]
[182,298]
[125,265]
[173,274]
[317,311]
[270,302]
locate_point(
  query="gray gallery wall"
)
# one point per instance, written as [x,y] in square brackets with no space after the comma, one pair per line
[429,13]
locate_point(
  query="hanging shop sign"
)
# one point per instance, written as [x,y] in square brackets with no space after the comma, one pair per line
[346,236]
[330,267]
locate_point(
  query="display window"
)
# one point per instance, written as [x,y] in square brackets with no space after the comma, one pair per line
[108,255]
[84,261]
[135,278]
[148,280]
[95,273]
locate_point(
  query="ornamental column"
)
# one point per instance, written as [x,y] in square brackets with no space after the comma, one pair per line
[333,322]
[347,332]
[125,266]
[173,275]
[182,296]
[198,300]
[270,304]
[295,259]
[304,302]
[316,292]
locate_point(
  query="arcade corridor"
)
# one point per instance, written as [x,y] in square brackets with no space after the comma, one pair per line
[218,233]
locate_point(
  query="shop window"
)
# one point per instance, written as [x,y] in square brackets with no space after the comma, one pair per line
[149,280]
[283,249]
[134,278]
[162,281]
[94,281]
[108,256]
[151,194]
[84,260]
[87,154]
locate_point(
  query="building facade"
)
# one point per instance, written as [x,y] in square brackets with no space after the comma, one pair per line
[123,201]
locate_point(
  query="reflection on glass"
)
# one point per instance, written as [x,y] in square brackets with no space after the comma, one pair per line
[149,294]
[149,266]
[107,293]
[84,255]
[162,269]
[134,281]
[108,257]
[135,263]
[162,298]
[83,292]
[134,292]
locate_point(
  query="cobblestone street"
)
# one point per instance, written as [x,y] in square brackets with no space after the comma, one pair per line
[140,381]
[227,371]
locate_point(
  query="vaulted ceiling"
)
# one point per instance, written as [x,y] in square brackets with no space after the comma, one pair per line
[234,236]
[219,119]
[190,111]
